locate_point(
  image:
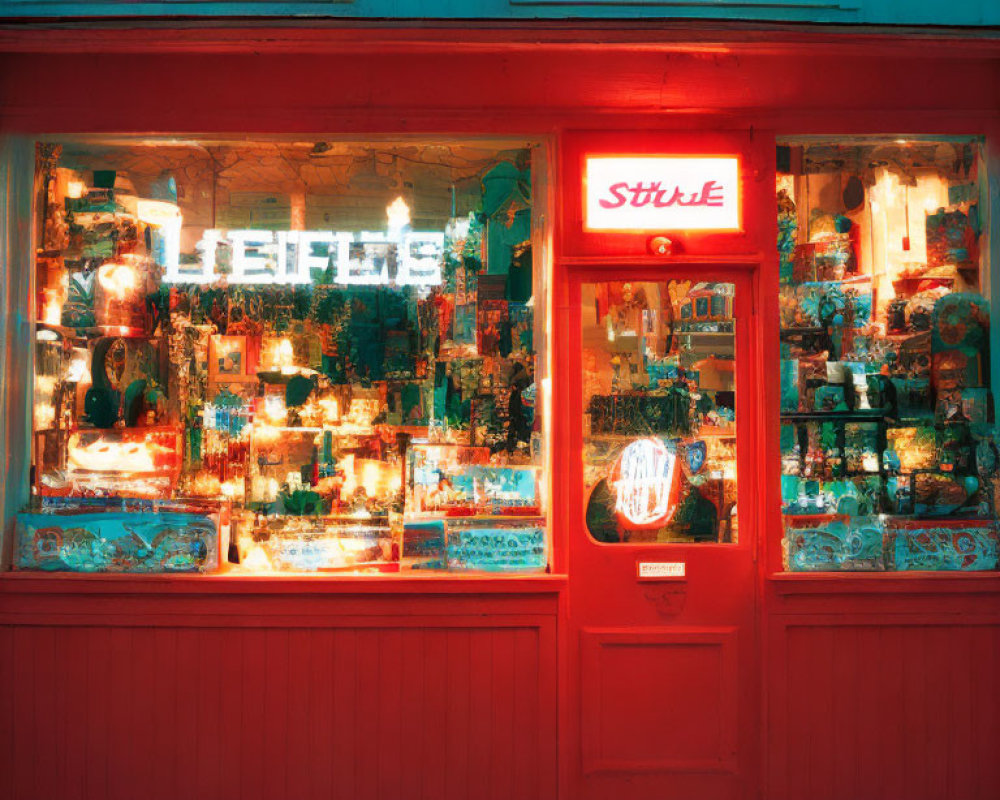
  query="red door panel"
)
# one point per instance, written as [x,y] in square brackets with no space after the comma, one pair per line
[662,636]
[700,693]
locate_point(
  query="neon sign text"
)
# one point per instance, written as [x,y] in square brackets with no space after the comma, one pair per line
[261,257]
[644,194]
[644,480]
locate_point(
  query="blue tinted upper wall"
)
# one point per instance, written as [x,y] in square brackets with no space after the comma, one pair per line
[868,12]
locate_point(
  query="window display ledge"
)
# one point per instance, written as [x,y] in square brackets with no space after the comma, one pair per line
[229,583]
[788,583]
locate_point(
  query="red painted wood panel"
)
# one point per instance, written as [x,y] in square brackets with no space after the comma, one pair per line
[381,710]
[885,708]
[536,90]
[677,686]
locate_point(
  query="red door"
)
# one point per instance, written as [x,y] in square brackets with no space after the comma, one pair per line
[662,640]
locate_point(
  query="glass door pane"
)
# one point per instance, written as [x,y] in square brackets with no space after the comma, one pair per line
[659,422]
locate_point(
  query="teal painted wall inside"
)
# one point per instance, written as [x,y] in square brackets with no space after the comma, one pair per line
[971,13]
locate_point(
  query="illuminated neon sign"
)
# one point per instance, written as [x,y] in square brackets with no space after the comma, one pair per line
[662,193]
[646,484]
[261,257]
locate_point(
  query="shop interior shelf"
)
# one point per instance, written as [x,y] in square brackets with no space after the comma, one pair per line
[871,415]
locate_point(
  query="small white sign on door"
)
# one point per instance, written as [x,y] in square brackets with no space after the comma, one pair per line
[661,569]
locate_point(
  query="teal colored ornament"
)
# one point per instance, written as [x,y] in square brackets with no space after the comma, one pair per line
[297,391]
[100,407]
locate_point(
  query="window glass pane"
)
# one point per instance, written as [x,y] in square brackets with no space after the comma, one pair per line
[659,390]
[332,348]
[887,452]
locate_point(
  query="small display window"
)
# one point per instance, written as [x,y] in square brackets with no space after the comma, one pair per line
[888,447]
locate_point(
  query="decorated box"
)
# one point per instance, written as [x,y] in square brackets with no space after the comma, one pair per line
[424,543]
[962,545]
[125,462]
[484,545]
[133,541]
[476,544]
[833,542]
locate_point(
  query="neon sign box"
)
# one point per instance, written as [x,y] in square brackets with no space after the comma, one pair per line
[662,193]
[261,257]
[644,479]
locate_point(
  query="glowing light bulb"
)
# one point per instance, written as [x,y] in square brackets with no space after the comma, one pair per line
[274,409]
[52,313]
[398,214]
[158,212]
[286,355]
[117,278]
[78,371]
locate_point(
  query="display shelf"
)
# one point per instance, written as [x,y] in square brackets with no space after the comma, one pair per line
[804,329]
[62,330]
[852,583]
[229,580]
[874,415]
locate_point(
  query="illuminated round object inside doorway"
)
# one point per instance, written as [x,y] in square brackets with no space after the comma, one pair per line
[645,482]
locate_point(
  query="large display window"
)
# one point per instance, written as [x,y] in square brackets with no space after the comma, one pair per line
[888,450]
[287,356]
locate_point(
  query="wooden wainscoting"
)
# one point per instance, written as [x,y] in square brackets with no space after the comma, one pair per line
[262,696]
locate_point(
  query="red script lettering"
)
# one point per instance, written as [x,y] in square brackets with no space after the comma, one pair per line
[642,194]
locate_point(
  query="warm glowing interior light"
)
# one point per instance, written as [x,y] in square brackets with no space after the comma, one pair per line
[45,415]
[398,214]
[118,279]
[52,313]
[158,212]
[78,371]
[331,409]
[256,560]
[103,456]
[75,189]
[350,484]
[232,489]
[371,474]
[274,409]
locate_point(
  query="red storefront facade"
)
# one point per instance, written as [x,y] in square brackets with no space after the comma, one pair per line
[727,677]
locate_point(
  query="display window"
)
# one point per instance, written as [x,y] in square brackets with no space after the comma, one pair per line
[888,453]
[287,356]
[659,421]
